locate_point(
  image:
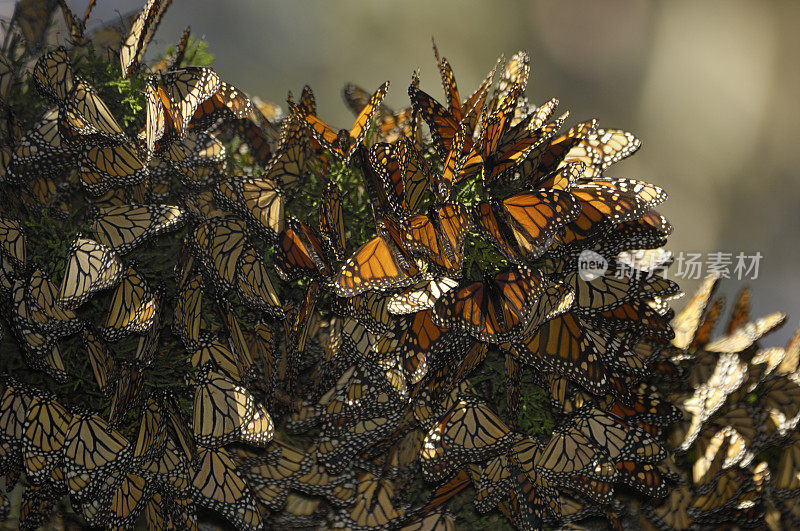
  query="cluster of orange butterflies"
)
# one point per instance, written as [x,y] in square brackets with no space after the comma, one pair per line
[323,376]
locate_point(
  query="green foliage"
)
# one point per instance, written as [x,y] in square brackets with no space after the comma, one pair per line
[197,53]
[48,238]
[124,97]
[535,417]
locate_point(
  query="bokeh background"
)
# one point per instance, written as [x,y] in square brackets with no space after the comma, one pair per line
[710,87]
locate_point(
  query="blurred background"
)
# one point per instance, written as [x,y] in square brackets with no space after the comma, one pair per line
[710,87]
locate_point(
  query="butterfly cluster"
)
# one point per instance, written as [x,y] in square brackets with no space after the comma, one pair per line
[285,324]
[737,440]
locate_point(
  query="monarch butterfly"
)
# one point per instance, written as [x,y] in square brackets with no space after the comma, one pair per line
[515,73]
[133,307]
[525,508]
[442,183]
[331,220]
[261,201]
[385,175]
[296,469]
[195,149]
[562,346]
[443,126]
[498,157]
[102,363]
[41,152]
[37,502]
[791,356]
[182,91]
[238,342]
[44,312]
[602,207]
[7,77]
[619,440]
[569,459]
[141,32]
[469,110]
[379,265]
[421,340]
[91,451]
[287,166]
[301,252]
[125,499]
[525,224]
[40,349]
[786,481]
[84,117]
[188,322]
[635,316]
[343,144]
[258,131]
[431,516]
[391,125]
[151,437]
[650,194]
[203,206]
[672,513]
[550,158]
[254,284]
[44,435]
[494,482]
[421,296]
[91,267]
[170,469]
[53,76]
[217,484]
[646,410]
[614,289]
[76,27]
[373,507]
[127,390]
[156,118]
[124,227]
[728,486]
[521,459]
[196,158]
[706,326]
[780,393]
[503,151]
[369,309]
[228,103]
[740,313]
[439,237]
[469,432]
[363,392]
[494,310]
[747,334]
[102,168]
[14,400]
[224,412]
[181,432]
[218,243]
[603,148]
